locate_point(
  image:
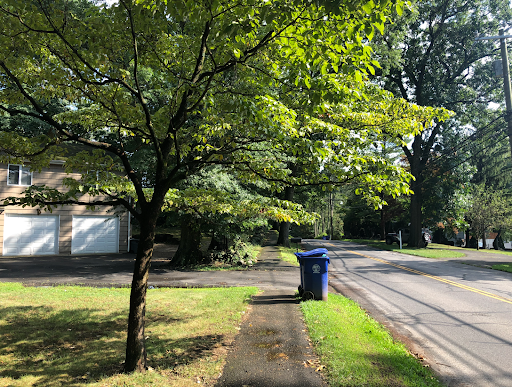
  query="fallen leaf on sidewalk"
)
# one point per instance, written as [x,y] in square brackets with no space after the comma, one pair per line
[311,363]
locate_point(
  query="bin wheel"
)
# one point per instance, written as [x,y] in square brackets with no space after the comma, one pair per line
[308,296]
[301,291]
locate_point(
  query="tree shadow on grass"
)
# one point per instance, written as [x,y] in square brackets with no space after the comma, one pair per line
[60,347]
[181,352]
[70,347]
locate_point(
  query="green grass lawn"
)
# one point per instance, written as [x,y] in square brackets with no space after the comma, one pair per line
[287,254]
[75,336]
[433,250]
[503,267]
[358,351]
[462,249]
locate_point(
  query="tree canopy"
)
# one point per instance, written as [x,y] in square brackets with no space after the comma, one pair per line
[430,57]
[487,209]
[158,90]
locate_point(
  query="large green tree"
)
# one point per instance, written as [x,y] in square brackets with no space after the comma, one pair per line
[487,209]
[158,90]
[430,57]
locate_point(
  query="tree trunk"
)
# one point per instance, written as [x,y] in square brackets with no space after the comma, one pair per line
[284,234]
[136,359]
[415,239]
[284,227]
[382,224]
[218,242]
[189,250]
[331,215]
[478,234]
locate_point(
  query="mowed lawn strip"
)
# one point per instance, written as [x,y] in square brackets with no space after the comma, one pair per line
[358,351]
[433,250]
[287,254]
[75,336]
[503,267]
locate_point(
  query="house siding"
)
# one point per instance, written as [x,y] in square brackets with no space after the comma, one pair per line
[52,177]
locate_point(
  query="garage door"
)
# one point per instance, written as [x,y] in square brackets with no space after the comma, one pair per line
[95,234]
[31,234]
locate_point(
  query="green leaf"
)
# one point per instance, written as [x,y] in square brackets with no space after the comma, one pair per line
[368,7]
[323,69]
[399,8]
[307,83]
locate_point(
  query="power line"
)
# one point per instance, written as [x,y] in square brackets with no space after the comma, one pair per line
[468,143]
[464,161]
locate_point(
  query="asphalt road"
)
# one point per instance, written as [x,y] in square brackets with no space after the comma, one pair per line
[455,316]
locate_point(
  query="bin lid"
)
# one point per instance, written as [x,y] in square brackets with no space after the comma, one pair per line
[312,253]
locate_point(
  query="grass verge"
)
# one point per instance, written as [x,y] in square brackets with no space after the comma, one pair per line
[358,351]
[503,267]
[433,250]
[75,336]
[287,254]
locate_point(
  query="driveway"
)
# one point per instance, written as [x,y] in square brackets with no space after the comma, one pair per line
[117,269]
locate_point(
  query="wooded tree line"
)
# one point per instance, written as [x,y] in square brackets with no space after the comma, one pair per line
[432,58]
[229,115]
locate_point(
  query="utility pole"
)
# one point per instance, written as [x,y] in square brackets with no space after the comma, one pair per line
[506,79]
[331,213]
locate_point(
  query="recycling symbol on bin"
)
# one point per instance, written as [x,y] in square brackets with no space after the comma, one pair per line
[316,269]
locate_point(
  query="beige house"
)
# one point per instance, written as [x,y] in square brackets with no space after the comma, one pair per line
[70,229]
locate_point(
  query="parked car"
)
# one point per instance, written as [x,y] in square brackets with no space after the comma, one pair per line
[392,237]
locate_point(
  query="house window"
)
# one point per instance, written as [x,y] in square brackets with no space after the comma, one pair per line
[19,175]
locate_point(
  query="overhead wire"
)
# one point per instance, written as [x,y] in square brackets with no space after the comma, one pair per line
[471,145]
[468,143]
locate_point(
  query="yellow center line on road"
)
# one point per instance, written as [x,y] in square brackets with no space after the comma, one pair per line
[471,289]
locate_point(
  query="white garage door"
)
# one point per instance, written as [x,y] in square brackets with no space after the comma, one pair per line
[95,234]
[31,234]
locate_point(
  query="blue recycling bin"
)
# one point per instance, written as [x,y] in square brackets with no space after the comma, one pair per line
[314,278]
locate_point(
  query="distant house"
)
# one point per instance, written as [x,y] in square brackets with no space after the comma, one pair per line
[458,239]
[70,229]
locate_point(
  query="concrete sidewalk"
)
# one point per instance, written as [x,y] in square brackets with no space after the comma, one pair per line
[272,348]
